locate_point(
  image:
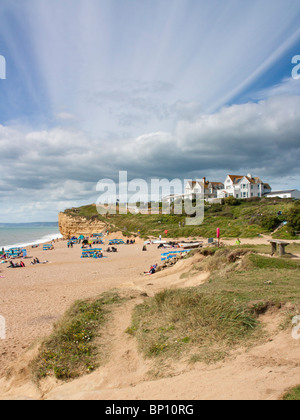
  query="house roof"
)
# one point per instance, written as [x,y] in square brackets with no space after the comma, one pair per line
[235,178]
[193,184]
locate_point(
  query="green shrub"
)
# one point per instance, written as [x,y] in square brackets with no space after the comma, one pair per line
[293,218]
[232,201]
[270,222]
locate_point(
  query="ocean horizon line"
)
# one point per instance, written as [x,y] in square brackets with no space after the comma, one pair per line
[7,224]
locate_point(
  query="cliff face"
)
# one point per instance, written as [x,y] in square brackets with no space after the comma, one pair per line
[74,226]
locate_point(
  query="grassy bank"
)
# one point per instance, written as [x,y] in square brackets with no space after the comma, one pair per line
[207,322]
[73,349]
[247,219]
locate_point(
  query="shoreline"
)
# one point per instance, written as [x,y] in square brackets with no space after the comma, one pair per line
[41,241]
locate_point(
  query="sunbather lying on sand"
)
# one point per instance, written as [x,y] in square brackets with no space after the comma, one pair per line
[37,261]
[16,265]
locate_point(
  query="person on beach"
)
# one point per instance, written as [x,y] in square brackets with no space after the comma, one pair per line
[152,270]
[15,265]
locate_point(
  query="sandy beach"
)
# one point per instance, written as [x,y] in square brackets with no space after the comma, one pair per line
[33,298]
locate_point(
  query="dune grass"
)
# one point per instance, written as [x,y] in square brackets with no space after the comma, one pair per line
[209,321]
[72,349]
[175,320]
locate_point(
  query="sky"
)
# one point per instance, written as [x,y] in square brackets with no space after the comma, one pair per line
[158,88]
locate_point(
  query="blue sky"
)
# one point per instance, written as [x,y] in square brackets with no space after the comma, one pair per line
[160,88]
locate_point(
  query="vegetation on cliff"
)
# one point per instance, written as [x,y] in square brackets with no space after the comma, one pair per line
[235,218]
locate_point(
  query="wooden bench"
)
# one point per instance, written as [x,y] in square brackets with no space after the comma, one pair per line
[281,246]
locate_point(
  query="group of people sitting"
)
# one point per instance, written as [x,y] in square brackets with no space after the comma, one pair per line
[98,254]
[130,241]
[112,249]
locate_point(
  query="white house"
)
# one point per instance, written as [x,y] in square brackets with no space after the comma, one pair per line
[285,194]
[241,186]
[194,188]
[205,188]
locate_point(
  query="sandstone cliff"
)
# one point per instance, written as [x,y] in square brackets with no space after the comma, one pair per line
[74,226]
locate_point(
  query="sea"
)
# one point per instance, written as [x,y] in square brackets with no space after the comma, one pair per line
[18,235]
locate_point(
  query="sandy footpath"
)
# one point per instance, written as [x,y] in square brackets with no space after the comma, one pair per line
[34,297]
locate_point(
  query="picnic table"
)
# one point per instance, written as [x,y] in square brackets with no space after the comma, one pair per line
[281,246]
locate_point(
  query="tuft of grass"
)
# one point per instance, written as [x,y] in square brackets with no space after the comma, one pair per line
[292,395]
[71,351]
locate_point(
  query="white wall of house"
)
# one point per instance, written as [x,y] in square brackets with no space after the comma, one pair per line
[192,188]
[248,189]
[229,190]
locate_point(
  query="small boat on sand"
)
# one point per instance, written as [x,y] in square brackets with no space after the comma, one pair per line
[190,245]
